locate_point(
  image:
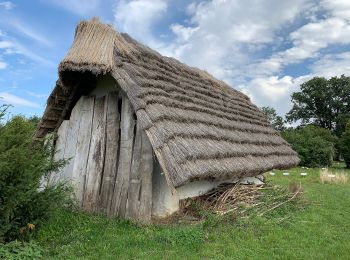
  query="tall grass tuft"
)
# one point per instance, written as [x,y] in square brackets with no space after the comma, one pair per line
[327,176]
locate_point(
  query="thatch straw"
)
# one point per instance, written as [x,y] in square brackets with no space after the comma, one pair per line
[237,199]
[199,127]
[327,176]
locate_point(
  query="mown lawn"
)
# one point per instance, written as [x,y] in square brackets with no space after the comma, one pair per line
[319,230]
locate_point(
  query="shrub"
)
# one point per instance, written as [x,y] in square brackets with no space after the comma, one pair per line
[23,206]
[18,250]
[314,145]
[345,145]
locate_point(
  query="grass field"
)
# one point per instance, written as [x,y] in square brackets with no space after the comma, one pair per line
[319,230]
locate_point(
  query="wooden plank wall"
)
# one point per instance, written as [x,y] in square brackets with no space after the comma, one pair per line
[111,157]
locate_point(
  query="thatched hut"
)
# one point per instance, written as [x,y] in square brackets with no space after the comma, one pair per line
[143,130]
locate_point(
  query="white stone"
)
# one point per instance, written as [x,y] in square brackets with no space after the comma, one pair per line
[260,177]
[285,173]
[272,173]
[251,180]
[303,173]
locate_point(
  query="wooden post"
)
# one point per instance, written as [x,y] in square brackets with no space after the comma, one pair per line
[133,204]
[59,150]
[71,141]
[96,157]
[127,123]
[146,170]
[111,157]
[83,146]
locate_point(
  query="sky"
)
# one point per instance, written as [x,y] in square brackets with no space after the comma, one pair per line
[264,48]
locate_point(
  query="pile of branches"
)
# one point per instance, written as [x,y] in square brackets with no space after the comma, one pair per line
[238,198]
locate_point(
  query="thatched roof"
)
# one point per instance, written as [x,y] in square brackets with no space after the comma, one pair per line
[199,127]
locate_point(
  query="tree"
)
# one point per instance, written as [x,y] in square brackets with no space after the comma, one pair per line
[275,120]
[345,145]
[23,164]
[323,102]
[314,145]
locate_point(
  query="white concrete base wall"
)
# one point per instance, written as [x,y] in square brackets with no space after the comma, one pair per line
[165,203]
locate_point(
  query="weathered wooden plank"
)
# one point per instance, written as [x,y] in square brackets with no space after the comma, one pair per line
[146,169]
[71,140]
[96,157]
[121,186]
[59,150]
[83,145]
[111,157]
[133,204]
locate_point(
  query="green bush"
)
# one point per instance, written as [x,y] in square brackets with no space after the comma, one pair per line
[314,145]
[24,205]
[17,250]
[345,145]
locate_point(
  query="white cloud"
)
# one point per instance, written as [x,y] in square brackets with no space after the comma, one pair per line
[14,47]
[312,37]
[183,33]
[339,8]
[272,88]
[309,39]
[10,45]
[30,33]
[7,5]
[273,91]
[223,36]
[249,43]
[11,99]
[3,65]
[5,44]
[332,65]
[79,7]
[36,95]
[137,17]
[21,49]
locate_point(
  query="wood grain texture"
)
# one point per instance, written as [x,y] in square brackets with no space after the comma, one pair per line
[133,204]
[71,141]
[83,146]
[146,170]
[121,186]
[59,150]
[96,157]
[112,145]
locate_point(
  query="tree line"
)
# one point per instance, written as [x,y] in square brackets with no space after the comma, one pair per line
[318,125]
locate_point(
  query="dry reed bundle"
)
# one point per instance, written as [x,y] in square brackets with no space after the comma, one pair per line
[327,176]
[237,199]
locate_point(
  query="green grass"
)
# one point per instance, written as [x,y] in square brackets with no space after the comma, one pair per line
[318,231]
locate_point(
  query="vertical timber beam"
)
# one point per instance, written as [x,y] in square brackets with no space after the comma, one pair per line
[120,193]
[96,157]
[146,170]
[59,150]
[83,146]
[133,204]
[71,141]
[111,157]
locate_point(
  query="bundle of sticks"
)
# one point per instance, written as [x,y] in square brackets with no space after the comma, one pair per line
[231,197]
[237,198]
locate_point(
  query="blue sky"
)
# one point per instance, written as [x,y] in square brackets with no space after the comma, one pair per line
[265,48]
